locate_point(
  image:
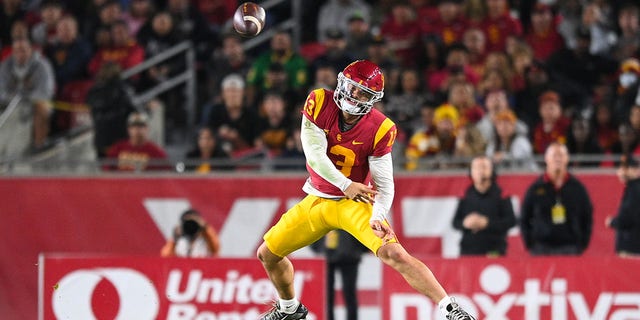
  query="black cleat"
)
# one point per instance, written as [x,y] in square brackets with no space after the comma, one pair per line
[276,314]
[456,313]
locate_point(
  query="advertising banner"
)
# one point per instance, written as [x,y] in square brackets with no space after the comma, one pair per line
[135,215]
[167,288]
[553,288]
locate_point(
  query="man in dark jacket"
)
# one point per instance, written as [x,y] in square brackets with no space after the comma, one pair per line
[557,213]
[343,253]
[483,215]
[627,222]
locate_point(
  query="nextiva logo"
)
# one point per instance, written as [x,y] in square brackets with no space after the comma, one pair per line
[496,301]
[79,292]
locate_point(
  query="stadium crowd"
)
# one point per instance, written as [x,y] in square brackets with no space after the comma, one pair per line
[502,78]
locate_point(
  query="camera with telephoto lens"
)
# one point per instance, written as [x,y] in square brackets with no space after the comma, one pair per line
[190,223]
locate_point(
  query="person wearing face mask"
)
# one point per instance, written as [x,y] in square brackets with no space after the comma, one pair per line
[193,237]
[627,221]
[483,215]
[557,212]
[627,88]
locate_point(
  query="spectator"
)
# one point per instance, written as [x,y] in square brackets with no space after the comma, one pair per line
[475,41]
[11,11]
[137,152]
[274,126]
[140,11]
[581,142]
[628,43]
[483,215]
[553,126]
[605,127]
[627,140]
[107,12]
[456,69]
[228,59]
[343,253]
[192,25]
[579,66]
[543,36]
[325,77]
[498,25]
[19,30]
[232,121]
[404,107]
[277,80]
[28,74]
[379,53]
[438,141]
[557,214]
[156,37]
[496,102]
[192,238]
[281,52]
[44,32]
[450,23]
[595,20]
[208,154]
[216,13]
[521,59]
[462,96]
[123,50]
[358,36]
[336,13]
[110,103]
[628,86]
[627,221]
[335,53]
[509,148]
[402,34]
[69,54]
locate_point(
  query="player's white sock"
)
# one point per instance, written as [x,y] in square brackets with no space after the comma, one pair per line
[444,303]
[289,306]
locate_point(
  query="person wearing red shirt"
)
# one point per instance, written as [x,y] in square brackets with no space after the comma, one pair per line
[450,23]
[124,50]
[498,25]
[402,34]
[553,126]
[543,36]
[136,152]
[456,69]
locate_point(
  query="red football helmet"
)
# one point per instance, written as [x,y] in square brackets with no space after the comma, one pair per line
[360,85]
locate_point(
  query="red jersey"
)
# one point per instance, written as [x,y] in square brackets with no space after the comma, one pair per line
[499,29]
[448,32]
[131,157]
[373,135]
[126,57]
[542,139]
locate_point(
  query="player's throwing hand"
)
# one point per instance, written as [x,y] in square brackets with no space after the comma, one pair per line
[359,192]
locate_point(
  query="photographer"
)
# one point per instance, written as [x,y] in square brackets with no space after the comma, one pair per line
[192,238]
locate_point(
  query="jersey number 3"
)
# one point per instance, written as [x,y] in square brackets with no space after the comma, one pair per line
[349,158]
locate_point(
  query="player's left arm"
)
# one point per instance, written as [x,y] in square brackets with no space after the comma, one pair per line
[382,174]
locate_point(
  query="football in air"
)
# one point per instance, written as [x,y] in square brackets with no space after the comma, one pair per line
[248,19]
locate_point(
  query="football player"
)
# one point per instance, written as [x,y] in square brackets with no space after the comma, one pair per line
[347,145]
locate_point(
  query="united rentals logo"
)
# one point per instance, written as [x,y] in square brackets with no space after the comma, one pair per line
[74,294]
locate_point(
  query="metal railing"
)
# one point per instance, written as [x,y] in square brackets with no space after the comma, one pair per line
[15,129]
[261,163]
[188,76]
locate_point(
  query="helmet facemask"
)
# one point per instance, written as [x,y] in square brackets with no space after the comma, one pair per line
[354,98]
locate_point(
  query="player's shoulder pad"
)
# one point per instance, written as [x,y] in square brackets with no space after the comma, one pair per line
[314,103]
[385,125]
